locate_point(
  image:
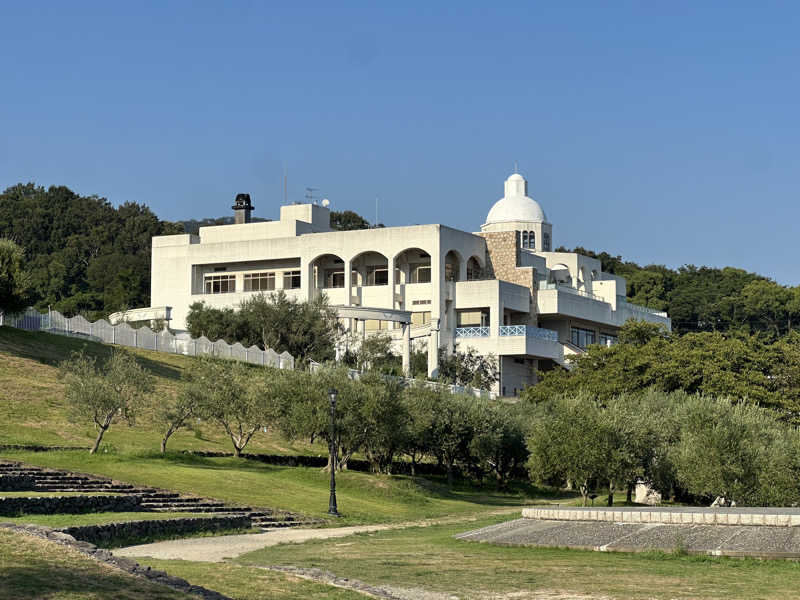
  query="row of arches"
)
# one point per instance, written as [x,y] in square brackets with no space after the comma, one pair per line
[412,265]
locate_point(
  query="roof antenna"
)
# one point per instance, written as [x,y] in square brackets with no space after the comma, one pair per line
[310,194]
[376,211]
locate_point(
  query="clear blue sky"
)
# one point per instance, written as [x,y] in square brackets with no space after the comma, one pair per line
[667,132]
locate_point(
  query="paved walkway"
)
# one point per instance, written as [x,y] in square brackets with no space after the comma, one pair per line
[217,549]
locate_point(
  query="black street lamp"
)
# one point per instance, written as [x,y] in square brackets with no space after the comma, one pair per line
[332,510]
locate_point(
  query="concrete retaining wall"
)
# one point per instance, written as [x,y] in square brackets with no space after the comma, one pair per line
[775,517]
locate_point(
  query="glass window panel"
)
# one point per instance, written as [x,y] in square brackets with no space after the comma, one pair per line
[291,280]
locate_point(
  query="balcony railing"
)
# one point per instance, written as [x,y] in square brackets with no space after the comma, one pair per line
[621,301]
[528,331]
[562,287]
[464,332]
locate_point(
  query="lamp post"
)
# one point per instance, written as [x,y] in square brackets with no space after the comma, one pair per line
[332,510]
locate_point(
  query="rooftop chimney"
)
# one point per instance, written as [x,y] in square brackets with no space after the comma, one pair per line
[242,209]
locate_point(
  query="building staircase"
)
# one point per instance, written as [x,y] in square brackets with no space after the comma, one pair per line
[152,499]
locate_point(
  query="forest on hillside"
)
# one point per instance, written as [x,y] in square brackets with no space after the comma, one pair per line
[85,256]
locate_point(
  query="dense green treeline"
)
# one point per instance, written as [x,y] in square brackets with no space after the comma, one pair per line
[647,357]
[707,298]
[81,254]
[84,256]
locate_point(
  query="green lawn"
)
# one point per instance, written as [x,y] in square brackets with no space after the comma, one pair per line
[429,558]
[32,409]
[363,498]
[250,583]
[32,568]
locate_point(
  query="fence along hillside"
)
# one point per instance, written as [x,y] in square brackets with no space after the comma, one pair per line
[145,338]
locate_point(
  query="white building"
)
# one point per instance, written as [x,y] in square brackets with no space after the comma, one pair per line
[502,291]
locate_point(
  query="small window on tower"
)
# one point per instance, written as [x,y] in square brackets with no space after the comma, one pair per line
[546,242]
[524,239]
[531,240]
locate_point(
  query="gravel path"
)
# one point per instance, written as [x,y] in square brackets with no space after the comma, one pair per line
[217,549]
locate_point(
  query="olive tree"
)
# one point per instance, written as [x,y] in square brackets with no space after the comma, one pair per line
[237,396]
[568,441]
[116,389]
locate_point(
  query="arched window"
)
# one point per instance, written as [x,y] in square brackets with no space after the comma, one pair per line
[531,240]
[546,242]
[473,269]
[524,239]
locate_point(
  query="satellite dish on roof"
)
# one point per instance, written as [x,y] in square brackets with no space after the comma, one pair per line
[326,203]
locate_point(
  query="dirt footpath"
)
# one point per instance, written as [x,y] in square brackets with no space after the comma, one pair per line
[217,549]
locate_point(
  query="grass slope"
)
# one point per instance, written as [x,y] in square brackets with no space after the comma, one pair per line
[32,568]
[363,498]
[32,409]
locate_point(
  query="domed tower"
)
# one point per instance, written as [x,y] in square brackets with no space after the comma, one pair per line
[517,212]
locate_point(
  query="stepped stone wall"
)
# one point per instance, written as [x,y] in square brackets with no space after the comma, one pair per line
[107,533]
[16,483]
[44,505]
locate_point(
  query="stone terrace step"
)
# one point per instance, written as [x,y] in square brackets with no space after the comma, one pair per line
[152,499]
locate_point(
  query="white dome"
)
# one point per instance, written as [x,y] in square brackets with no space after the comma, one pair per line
[516,205]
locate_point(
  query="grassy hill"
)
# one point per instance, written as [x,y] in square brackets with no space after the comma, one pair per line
[32,409]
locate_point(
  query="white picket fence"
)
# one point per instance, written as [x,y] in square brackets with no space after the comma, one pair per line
[145,338]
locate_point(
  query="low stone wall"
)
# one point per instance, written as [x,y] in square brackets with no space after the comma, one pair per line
[106,534]
[36,448]
[290,460]
[119,562]
[43,505]
[16,483]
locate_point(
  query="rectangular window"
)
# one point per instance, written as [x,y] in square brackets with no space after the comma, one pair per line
[606,339]
[377,276]
[582,337]
[334,278]
[259,282]
[420,318]
[219,284]
[291,280]
[420,273]
[476,317]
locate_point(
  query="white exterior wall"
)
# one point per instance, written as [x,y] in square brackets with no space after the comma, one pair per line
[302,238]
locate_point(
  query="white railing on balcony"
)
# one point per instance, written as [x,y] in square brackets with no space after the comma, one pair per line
[463,332]
[621,301]
[562,287]
[528,331]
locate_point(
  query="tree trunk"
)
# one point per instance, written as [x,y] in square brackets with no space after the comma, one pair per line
[164,445]
[98,440]
[611,492]
[629,495]
[237,452]
[413,464]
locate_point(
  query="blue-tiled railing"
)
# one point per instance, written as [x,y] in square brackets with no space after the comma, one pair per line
[526,330]
[462,332]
